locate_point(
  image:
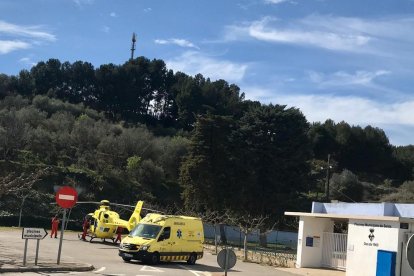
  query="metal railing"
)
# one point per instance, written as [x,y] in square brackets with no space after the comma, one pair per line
[334,250]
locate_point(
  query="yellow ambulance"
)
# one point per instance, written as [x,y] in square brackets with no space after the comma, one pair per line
[160,237]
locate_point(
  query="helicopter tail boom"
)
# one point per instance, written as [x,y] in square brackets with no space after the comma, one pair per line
[136,216]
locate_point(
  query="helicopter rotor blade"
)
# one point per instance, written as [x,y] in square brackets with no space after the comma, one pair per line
[132,206]
[123,205]
[153,210]
[116,204]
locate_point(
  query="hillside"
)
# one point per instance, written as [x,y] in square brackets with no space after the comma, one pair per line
[140,131]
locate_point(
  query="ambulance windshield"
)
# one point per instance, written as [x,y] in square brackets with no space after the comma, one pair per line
[147,231]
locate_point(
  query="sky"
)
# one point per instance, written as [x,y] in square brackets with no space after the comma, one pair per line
[345,60]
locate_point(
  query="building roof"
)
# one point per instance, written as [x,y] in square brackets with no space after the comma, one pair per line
[384,211]
[351,216]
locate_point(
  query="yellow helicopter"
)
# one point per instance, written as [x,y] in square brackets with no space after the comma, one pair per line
[104,223]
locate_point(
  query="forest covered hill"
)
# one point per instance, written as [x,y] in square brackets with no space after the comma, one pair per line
[139,131]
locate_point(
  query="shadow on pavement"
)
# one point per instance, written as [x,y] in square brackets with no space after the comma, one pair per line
[179,265]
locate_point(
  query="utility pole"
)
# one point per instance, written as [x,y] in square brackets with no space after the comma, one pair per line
[327,179]
[134,39]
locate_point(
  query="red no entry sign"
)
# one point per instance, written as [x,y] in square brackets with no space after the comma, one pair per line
[66,197]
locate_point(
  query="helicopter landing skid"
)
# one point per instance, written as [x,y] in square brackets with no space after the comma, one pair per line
[112,239]
[80,237]
[86,236]
[91,237]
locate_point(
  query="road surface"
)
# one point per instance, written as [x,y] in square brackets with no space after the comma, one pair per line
[105,259]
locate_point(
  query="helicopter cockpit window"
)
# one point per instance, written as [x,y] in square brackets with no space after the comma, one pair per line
[145,231]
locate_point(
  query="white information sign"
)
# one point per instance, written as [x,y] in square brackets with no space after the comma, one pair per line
[34,233]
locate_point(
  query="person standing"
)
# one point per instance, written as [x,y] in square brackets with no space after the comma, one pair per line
[119,234]
[85,227]
[55,226]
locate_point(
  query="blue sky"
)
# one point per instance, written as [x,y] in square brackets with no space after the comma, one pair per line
[340,59]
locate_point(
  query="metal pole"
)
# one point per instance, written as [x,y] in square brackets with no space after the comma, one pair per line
[61,235]
[226,262]
[25,252]
[277,234]
[402,250]
[215,238]
[240,238]
[66,226]
[327,180]
[37,251]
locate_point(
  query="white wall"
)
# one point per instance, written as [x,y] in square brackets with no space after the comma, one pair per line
[362,253]
[368,209]
[311,227]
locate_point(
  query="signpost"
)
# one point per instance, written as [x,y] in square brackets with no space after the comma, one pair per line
[32,234]
[226,259]
[66,197]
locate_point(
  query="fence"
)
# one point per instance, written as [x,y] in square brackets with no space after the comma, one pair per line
[334,250]
[277,241]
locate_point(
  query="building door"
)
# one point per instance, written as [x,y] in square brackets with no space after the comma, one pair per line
[386,263]
[334,250]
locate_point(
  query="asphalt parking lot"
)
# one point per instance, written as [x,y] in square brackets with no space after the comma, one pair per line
[104,257]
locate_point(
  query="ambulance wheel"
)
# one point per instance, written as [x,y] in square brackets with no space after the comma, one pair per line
[126,259]
[192,259]
[154,258]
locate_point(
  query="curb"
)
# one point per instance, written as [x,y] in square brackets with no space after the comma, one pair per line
[55,268]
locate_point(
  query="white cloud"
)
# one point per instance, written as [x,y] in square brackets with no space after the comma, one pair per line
[147,9]
[302,35]
[113,14]
[374,36]
[342,78]
[105,29]
[80,3]
[391,116]
[33,32]
[352,109]
[275,1]
[27,61]
[192,63]
[176,41]
[21,37]
[7,46]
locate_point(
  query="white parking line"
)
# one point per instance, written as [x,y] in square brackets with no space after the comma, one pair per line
[196,272]
[99,270]
[150,269]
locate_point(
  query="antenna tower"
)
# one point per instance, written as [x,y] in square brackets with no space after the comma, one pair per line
[134,39]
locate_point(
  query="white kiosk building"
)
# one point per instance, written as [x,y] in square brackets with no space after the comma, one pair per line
[376,238]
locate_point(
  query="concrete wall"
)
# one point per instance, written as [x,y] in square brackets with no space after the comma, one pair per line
[311,227]
[234,235]
[362,252]
[368,209]
[404,210]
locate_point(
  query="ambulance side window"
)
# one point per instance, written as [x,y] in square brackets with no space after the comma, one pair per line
[165,235]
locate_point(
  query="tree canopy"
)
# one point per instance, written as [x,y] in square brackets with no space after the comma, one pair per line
[141,131]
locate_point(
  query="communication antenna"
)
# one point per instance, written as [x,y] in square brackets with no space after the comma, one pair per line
[134,39]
